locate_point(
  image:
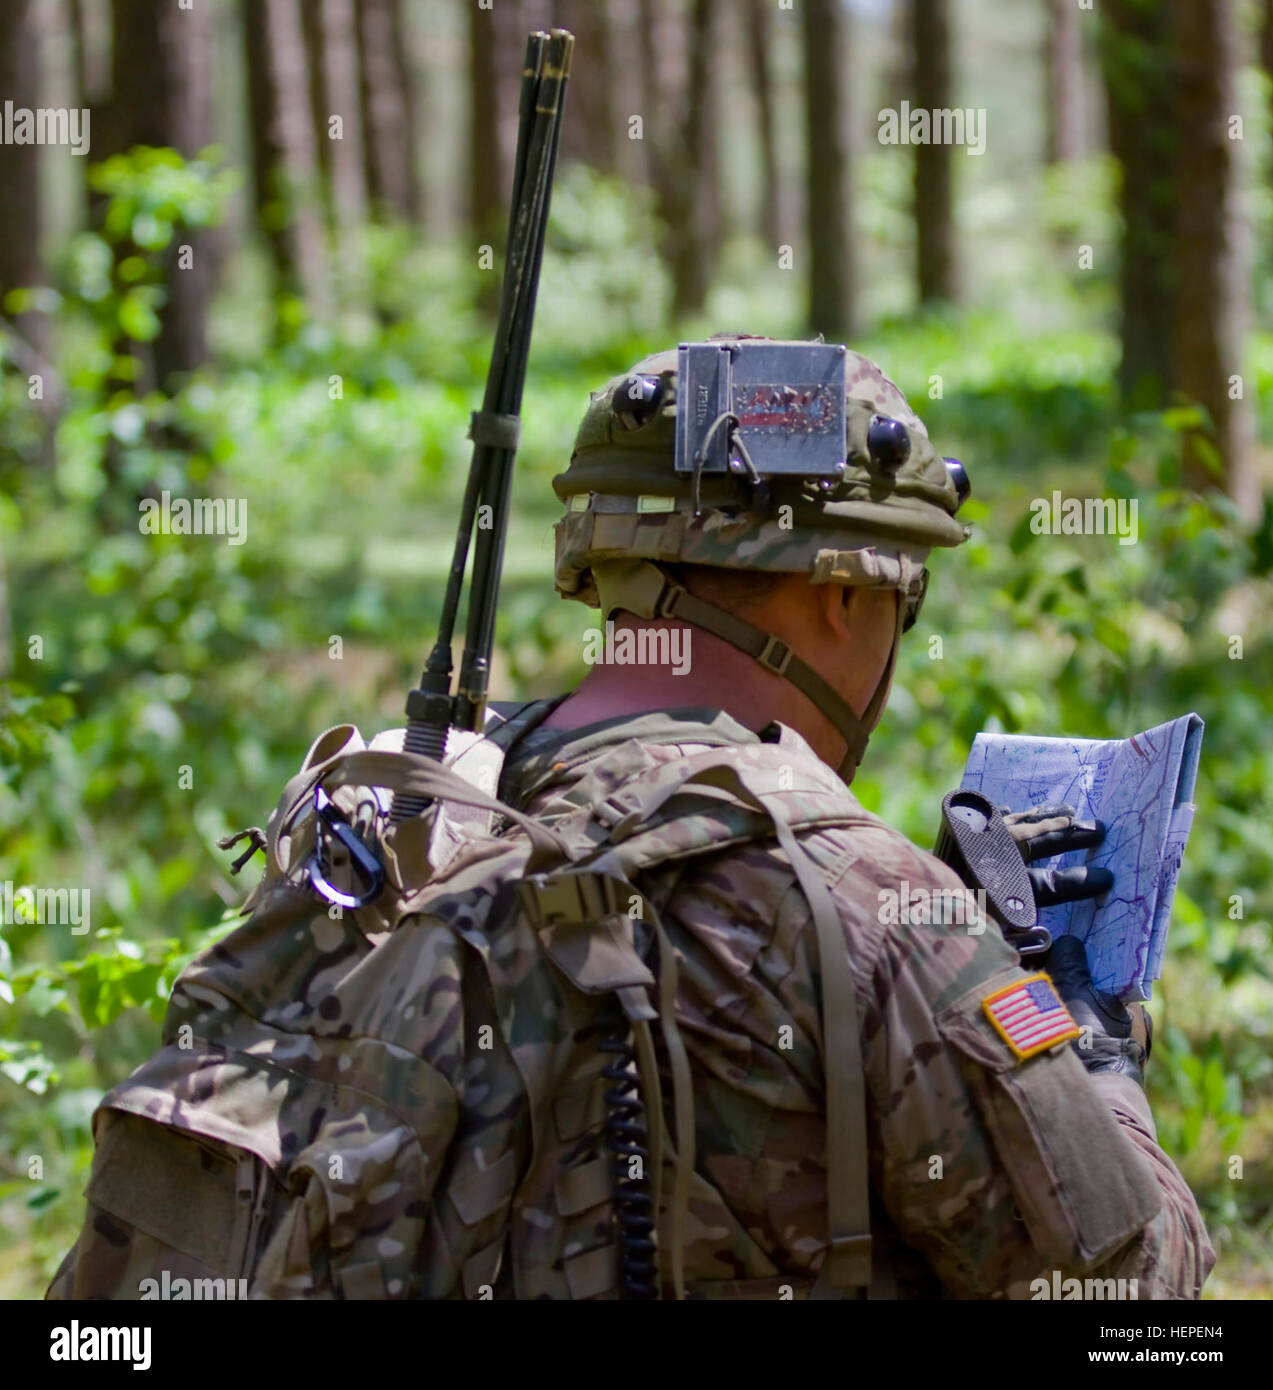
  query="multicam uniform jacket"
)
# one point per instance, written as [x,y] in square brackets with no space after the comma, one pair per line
[987,1172]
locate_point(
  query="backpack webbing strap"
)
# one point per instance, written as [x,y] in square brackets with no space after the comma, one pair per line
[848,1260]
[685,1153]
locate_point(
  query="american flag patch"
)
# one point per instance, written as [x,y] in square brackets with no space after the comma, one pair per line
[1029,1017]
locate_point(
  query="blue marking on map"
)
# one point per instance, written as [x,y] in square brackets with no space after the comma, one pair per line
[1142,789]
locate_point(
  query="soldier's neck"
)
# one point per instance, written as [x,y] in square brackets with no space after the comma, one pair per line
[651,664]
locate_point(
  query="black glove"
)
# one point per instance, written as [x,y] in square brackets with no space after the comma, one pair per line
[1116,1037]
[1043,832]
[989,847]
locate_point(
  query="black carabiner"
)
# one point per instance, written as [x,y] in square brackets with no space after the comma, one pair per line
[369,868]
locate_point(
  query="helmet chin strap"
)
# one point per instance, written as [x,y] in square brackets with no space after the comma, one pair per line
[644,590]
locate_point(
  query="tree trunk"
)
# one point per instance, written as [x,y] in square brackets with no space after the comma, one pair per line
[268,195]
[87,93]
[161,94]
[759,39]
[1266,46]
[486,174]
[662,97]
[90,50]
[628,60]
[591,133]
[390,108]
[20,265]
[342,131]
[687,151]
[895,76]
[313,30]
[1209,329]
[293,137]
[190,276]
[1135,41]
[934,213]
[1064,83]
[827,174]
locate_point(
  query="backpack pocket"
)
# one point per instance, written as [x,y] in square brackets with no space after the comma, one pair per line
[261,1167]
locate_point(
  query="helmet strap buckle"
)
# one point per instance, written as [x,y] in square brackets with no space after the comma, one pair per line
[776,655]
[671,595]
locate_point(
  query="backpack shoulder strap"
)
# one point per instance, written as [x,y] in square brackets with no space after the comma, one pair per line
[719,787]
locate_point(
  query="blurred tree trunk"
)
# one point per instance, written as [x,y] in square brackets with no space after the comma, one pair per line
[86,92]
[661,95]
[510,58]
[268,197]
[161,94]
[1266,45]
[688,183]
[895,76]
[674,65]
[186,43]
[390,108]
[1065,83]
[831,286]
[590,135]
[759,40]
[20,264]
[1209,329]
[629,53]
[1135,42]
[342,132]
[934,215]
[313,30]
[283,147]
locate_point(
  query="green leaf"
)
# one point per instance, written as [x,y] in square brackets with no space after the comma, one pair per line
[137,318]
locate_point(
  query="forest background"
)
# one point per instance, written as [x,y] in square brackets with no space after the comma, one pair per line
[271,279]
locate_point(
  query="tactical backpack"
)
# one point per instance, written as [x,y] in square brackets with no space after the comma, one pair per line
[454,1091]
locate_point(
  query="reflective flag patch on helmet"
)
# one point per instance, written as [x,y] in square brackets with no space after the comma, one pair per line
[1029,1016]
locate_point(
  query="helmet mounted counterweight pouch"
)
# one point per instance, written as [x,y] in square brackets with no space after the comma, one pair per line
[785,411]
[785,402]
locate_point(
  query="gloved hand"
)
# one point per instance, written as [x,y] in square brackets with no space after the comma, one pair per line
[1045,831]
[990,847]
[1117,1036]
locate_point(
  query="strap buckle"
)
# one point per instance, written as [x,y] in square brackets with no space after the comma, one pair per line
[669,597]
[776,656]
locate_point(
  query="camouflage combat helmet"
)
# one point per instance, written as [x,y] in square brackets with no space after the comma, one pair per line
[797,457]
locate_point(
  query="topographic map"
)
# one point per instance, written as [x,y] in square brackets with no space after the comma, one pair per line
[1142,789]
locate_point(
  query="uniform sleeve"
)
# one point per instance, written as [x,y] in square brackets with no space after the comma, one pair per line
[999,1170]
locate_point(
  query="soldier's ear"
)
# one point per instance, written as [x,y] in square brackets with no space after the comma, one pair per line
[837,608]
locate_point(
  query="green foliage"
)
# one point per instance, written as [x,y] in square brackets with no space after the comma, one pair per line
[182,678]
[118,273]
